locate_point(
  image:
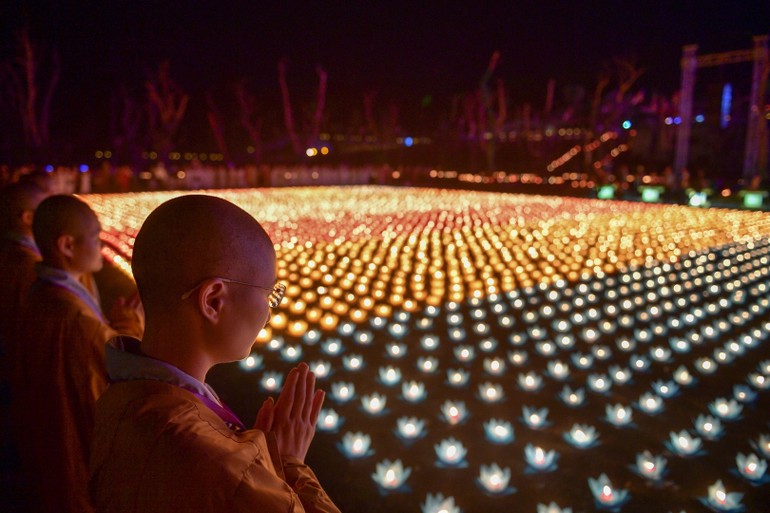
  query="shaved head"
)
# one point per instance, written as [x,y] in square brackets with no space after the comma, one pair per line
[194,237]
[15,200]
[60,215]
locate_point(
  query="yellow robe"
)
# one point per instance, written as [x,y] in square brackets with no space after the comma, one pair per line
[158,448]
[61,372]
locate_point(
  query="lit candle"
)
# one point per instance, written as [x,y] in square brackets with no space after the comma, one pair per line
[751,466]
[451,452]
[328,420]
[453,412]
[374,404]
[604,493]
[413,391]
[649,466]
[494,479]
[391,475]
[498,431]
[410,428]
[356,445]
[539,459]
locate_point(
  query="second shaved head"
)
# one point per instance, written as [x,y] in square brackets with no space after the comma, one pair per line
[194,237]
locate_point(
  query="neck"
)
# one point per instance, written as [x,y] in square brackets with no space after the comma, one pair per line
[181,354]
[61,265]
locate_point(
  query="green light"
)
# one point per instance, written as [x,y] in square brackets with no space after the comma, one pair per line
[651,194]
[606,192]
[753,199]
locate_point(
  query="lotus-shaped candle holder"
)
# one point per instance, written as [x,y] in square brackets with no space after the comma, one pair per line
[546,348]
[311,336]
[718,499]
[680,345]
[763,445]
[605,495]
[499,431]
[618,415]
[395,350]
[599,383]
[291,353]
[488,345]
[558,370]
[660,354]
[650,403]
[346,328]
[480,328]
[410,428]
[683,377]
[751,467]
[534,418]
[517,358]
[451,453]
[252,362]
[665,389]
[571,397]
[457,334]
[601,352]
[364,338]
[413,391]
[356,445]
[650,467]
[391,475]
[706,365]
[389,375]
[494,366]
[744,394]
[708,427]
[491,392]
[759,381]
[429,342]
[428,365]
[397,330]
[343,392]
[581,436]
[328,420]
[320,368]
[531,381]
[453,412]
[439,504]
[331,347]
[726,409]
[539,459]
[683,444]
[552,508]
[465,353]
[353,362]
[457,377]
[271,381]
[639,363]
[620,375]
[275,344]
[494,480]
[582,361]
[374,404]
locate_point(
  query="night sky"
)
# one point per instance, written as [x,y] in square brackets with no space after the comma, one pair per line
[403,50]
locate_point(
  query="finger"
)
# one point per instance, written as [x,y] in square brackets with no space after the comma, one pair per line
[286,397]
[265,415]
[318,401]
[308,402]
[300,391]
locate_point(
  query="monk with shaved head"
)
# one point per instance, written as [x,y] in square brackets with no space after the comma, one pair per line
[164,441]
[60,369]
[18,253]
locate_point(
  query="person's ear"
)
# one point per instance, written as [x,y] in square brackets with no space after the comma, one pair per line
[211,300]
[27,216]
[65,245]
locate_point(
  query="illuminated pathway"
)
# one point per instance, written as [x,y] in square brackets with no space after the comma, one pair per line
[489,352]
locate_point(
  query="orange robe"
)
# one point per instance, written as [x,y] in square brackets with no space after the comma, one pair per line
[17,273]
[61,374]
[158,448]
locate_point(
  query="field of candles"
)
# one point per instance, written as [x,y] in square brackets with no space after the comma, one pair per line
[486,352]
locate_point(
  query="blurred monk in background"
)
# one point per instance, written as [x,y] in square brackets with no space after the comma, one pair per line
[60,370]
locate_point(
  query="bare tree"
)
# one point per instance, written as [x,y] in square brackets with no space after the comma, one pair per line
[125,121]
[251,121]
[30,89]
[217,125]
[314,130]
[166,107]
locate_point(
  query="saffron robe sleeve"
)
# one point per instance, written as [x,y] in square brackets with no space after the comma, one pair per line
[61,374]
[158,448]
